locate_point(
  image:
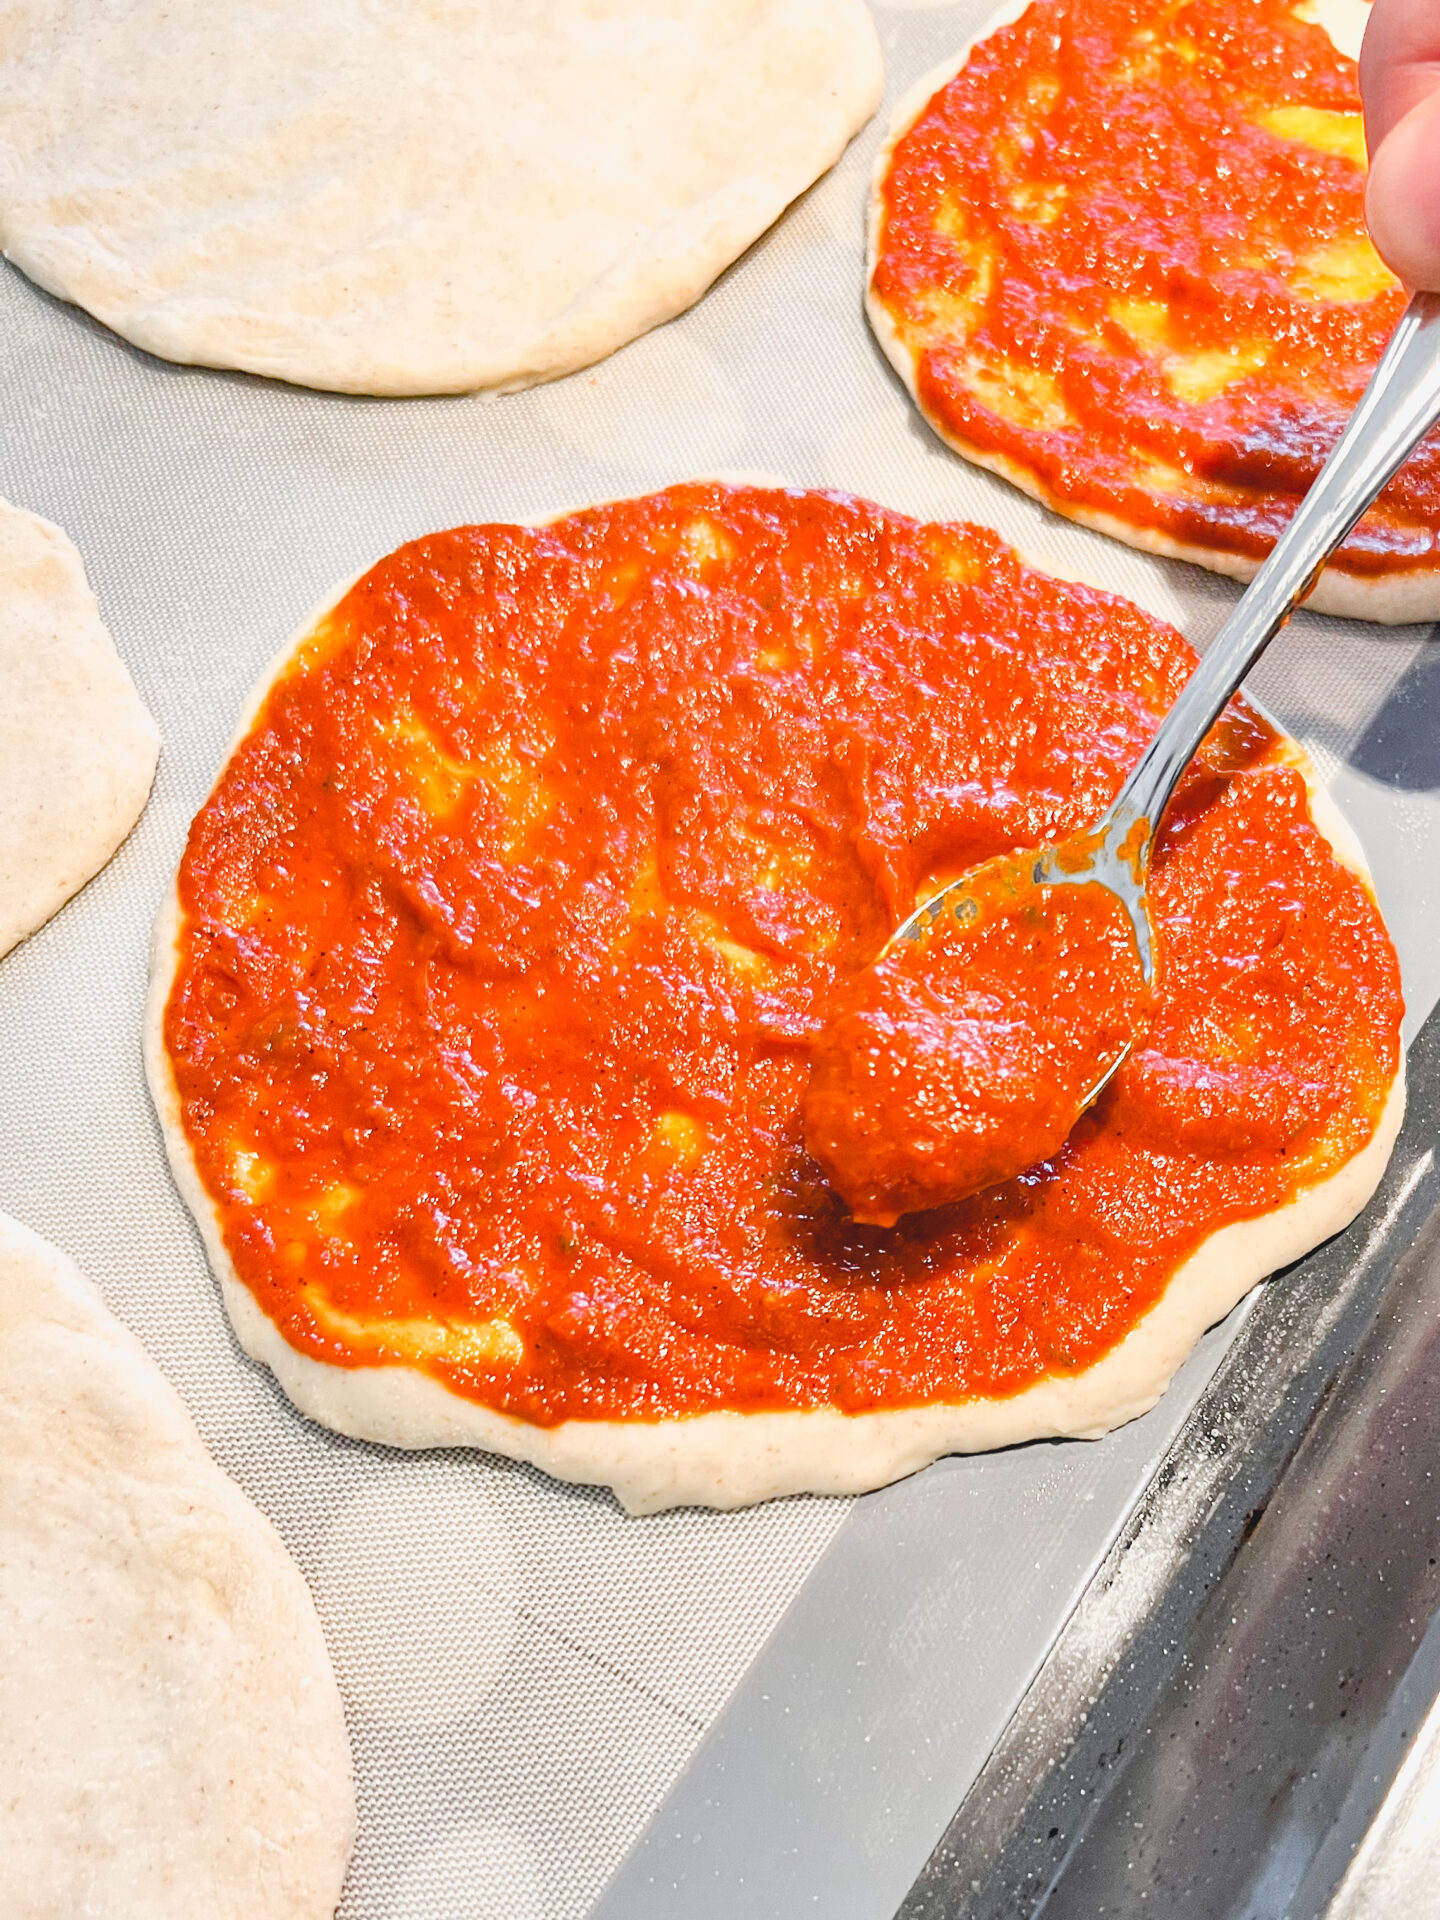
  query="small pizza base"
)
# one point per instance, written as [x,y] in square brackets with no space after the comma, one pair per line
[172,1741]
[728,1460]
[77,748]
[411,199]
[1393,599]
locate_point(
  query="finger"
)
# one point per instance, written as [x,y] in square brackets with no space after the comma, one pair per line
[1402,202]
[1399,63]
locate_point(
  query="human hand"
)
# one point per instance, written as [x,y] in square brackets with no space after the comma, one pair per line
[1400,82]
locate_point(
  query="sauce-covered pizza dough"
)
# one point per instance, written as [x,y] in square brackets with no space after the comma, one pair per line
[1118,253]
[171,1737]
[418,198]
[481,1017]
[77,748]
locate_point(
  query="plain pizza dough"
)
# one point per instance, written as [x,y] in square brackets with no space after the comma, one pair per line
[411,196]
[171,1737]
[727,1460]
[1394,599]
[77,748]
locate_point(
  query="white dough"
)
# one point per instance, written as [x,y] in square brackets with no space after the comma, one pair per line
[77,748]
[731,1459]
[171,1738]
[411,196]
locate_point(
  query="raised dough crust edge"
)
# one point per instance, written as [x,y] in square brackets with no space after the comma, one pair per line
[1396,599]
[733,1459]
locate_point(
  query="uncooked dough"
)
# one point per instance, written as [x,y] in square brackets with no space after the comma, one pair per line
[77,748]
[724,1459]
[411,196]
[171,1737]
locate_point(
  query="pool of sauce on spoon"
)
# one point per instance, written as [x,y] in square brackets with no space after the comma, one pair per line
[967,1053]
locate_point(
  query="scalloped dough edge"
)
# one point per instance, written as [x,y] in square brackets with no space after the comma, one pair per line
[728,1460]
[1396,599]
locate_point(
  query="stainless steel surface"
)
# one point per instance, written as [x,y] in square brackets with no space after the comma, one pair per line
[1395,1869]
[1397,409]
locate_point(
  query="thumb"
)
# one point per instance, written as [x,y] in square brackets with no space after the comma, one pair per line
[1402,200]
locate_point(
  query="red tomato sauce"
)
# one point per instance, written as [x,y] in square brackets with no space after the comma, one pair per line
[1125,249]
[512,920]
[966,1053]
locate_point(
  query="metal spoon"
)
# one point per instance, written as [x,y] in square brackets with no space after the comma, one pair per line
[1396,411]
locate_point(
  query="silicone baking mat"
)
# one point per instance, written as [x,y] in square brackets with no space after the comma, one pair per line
[527,1671]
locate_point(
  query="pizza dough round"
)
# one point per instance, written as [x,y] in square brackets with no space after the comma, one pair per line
[171,1737]
[418,198]
[1404,595]
[77,748]
[730,1459]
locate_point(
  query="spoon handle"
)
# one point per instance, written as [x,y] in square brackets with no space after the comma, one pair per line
[1396,411]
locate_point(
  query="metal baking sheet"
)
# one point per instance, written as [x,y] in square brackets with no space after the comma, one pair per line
[766,1713]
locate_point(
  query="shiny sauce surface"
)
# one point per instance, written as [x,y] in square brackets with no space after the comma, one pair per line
[1125,248]
[509,929]
[967,1052]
